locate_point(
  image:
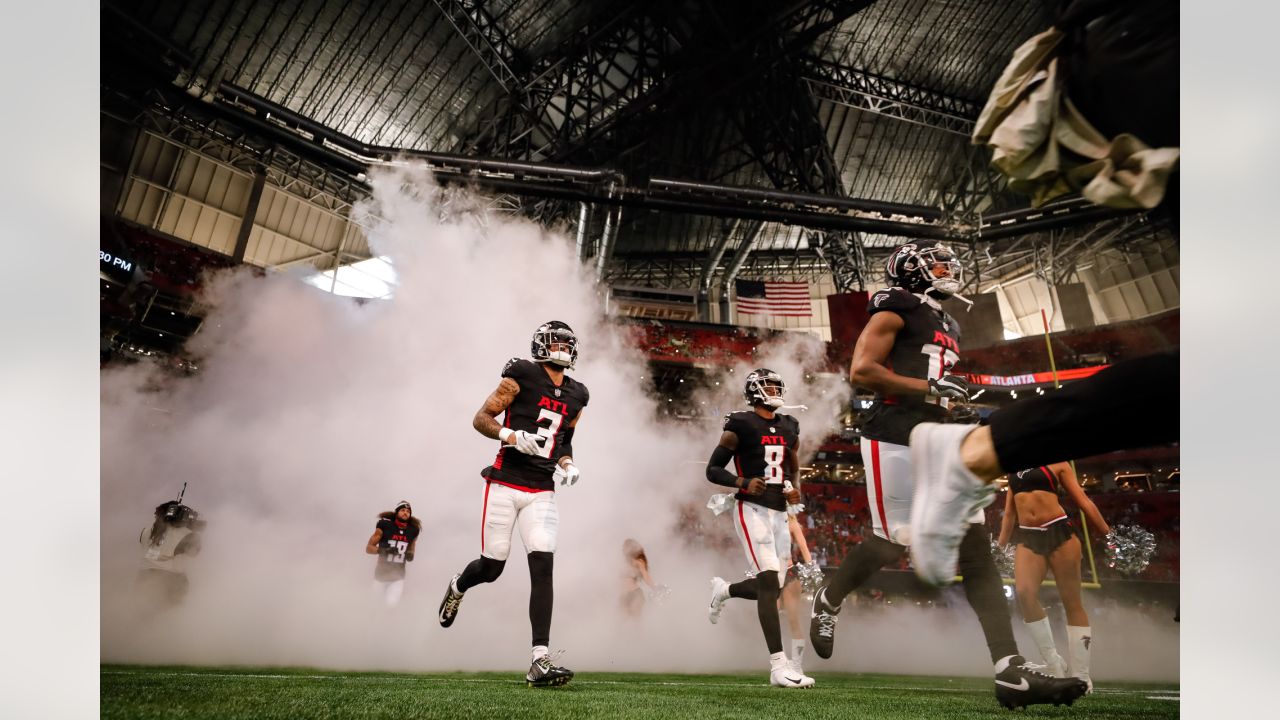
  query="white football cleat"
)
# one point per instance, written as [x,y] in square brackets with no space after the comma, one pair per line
[787,676]
[719,593]
[946,494]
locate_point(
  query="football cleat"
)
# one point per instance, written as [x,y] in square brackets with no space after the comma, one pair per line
[822,624]
[787,676]
[544,673]
[946,495]
[449,605]
[719,593]
[1022,683]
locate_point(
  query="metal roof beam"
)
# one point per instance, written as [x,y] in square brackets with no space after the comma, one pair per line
[866,91]
[485,37]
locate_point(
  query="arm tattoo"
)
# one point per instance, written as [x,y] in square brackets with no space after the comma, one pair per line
[485,422]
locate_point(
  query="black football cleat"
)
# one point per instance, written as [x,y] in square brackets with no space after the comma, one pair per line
[544,674]
[1021,683]
[822,624]
[449,605]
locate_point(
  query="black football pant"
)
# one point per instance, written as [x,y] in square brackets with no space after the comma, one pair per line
[983,587]
[1131,404]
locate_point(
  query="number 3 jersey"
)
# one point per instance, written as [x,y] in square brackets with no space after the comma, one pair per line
[395,542]
[543,409]
[762,452]
[926,347]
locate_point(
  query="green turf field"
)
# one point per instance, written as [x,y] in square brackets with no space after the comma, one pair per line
[131,691]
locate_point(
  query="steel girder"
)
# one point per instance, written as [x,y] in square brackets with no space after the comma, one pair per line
[227,143]
[865,91]
[682,270]
[625,67]
[486,39]
[781,127]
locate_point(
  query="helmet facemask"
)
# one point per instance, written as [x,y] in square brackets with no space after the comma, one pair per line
[947,283]
[765,387]
[554,342]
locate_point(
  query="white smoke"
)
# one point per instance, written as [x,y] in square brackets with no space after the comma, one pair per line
[312,413]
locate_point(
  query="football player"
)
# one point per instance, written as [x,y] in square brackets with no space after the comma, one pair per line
[1046,539]
[762,443]
[541,407]
[905,355]
[393,541]
[174,536]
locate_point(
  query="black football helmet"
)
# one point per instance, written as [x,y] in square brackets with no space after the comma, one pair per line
[910,267]
[759,382]
[555,332]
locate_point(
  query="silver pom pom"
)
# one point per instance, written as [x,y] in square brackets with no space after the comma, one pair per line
[1003,557]
[810,576]
[1129,548]
[658,593]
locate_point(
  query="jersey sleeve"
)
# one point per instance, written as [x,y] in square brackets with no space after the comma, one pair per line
[734,423]
[517,369]
[892,299]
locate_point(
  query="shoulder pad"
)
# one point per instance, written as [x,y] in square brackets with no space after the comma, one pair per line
[514,368]
[894,299]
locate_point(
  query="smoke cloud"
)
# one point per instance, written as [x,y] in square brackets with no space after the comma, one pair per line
[313,413]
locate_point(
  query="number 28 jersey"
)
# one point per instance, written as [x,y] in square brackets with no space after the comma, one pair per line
[762,452]
[541,408]
[927,346]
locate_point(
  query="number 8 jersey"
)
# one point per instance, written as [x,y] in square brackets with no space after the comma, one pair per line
[543,409]
[927,346]
[762,452]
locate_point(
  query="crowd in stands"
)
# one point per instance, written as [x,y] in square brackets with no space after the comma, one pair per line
[689,342]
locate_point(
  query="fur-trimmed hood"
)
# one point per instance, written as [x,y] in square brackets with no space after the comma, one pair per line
[391,515]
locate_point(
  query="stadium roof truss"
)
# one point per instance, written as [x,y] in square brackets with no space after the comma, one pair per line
[684,142]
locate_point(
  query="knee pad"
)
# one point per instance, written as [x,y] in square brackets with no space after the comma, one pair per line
[541,565]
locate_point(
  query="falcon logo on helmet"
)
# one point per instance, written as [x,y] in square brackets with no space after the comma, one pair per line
[924,265]
[765,387]
[549,342]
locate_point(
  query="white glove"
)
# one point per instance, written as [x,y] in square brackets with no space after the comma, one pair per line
[526,442]
[950,386]
[566,474]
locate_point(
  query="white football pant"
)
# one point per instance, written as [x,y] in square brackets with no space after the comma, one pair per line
[764,535]
[889,490]
[505,509]
[391,591]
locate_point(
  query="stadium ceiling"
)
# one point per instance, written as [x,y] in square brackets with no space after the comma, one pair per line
[694,138]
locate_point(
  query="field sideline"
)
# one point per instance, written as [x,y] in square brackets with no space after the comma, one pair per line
[132,691]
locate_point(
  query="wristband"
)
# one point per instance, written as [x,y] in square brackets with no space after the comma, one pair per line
[505,434]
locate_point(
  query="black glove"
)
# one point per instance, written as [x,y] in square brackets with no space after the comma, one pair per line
[949,386]
[408,556]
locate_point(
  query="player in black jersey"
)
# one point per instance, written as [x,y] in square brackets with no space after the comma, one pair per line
[541,407]
[1046,539]
[762,445]
[393,541]
[906,354]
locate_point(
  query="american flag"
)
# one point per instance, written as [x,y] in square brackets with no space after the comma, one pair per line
[789,299]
